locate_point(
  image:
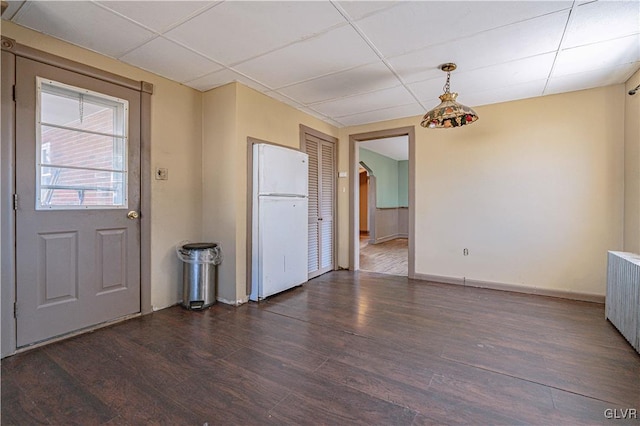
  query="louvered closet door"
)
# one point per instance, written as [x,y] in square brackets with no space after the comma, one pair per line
[321,204]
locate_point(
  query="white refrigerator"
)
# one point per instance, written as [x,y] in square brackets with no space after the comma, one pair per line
[279,232]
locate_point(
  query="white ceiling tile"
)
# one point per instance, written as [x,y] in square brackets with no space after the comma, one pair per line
[598,55]
[399,111]
[589,79]
[515,41]
[493,77]
[351,82]
[380,99]
[222,77]
[429,90]
[410,26]
[170,60]
[530,89]
[602,20]
[13,7]
[235,31]
[507,74]
[156,15]
[310,58]
[358,8]
[85,24]
[504,50]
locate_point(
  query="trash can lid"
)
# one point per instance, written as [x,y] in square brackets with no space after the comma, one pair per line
[199,246]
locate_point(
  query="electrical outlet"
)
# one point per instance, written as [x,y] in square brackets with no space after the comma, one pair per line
[162,174]
[465,252]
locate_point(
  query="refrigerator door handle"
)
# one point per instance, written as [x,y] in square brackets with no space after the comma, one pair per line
[270,194]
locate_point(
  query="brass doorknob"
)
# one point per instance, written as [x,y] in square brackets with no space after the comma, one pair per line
[133,214]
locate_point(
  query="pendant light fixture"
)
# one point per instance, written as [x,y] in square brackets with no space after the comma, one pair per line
[449,113]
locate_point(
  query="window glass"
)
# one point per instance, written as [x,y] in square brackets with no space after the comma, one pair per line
[82,147]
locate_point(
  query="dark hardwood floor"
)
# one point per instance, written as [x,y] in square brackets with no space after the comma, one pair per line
[346,348]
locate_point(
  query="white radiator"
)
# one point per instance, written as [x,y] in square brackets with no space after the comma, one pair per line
[622,306]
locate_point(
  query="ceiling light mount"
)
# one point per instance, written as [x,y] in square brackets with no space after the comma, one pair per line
[448,67]
[449,113]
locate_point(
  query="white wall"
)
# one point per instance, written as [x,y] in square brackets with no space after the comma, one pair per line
[534,190]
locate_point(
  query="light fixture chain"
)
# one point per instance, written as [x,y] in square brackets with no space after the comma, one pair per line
[447,86]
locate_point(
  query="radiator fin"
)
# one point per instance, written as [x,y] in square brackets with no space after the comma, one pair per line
[622,306]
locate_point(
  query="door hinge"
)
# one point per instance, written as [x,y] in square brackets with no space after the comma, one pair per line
[15,201]
[13,89]
[15,310]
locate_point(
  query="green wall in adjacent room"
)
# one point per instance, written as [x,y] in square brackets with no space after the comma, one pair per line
[392,179]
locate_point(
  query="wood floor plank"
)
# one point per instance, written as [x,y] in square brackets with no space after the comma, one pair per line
[59,396]
[345,348]
[313,399]
[226,394]
[134,392]
[17,408]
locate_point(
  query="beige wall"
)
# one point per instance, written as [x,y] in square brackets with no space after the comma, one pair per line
[632,167]
[176,135]
[534,190]
[219,188]
[260,117]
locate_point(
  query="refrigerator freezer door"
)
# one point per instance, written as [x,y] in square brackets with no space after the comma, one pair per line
[281,170]
[281,245]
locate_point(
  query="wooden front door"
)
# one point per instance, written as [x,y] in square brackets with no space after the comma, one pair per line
[78,196]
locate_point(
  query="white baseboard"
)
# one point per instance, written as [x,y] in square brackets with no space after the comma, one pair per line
[563,294]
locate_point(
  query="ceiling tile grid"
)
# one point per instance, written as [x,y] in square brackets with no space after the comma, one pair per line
[354,81]
[84,24]
[164,14]
[300,61]
[353,62]
[170,60]
[232,32]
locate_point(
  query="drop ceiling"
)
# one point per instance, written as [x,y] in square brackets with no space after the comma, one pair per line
[355,62]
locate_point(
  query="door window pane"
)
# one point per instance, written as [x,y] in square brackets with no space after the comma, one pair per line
[81,187]
[82,148]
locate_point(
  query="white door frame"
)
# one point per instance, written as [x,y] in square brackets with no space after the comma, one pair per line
[354,164]
[11,50]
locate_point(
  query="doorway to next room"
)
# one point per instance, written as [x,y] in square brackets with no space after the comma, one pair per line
[383,205]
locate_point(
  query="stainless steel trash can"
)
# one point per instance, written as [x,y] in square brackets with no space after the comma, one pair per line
[199,280]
